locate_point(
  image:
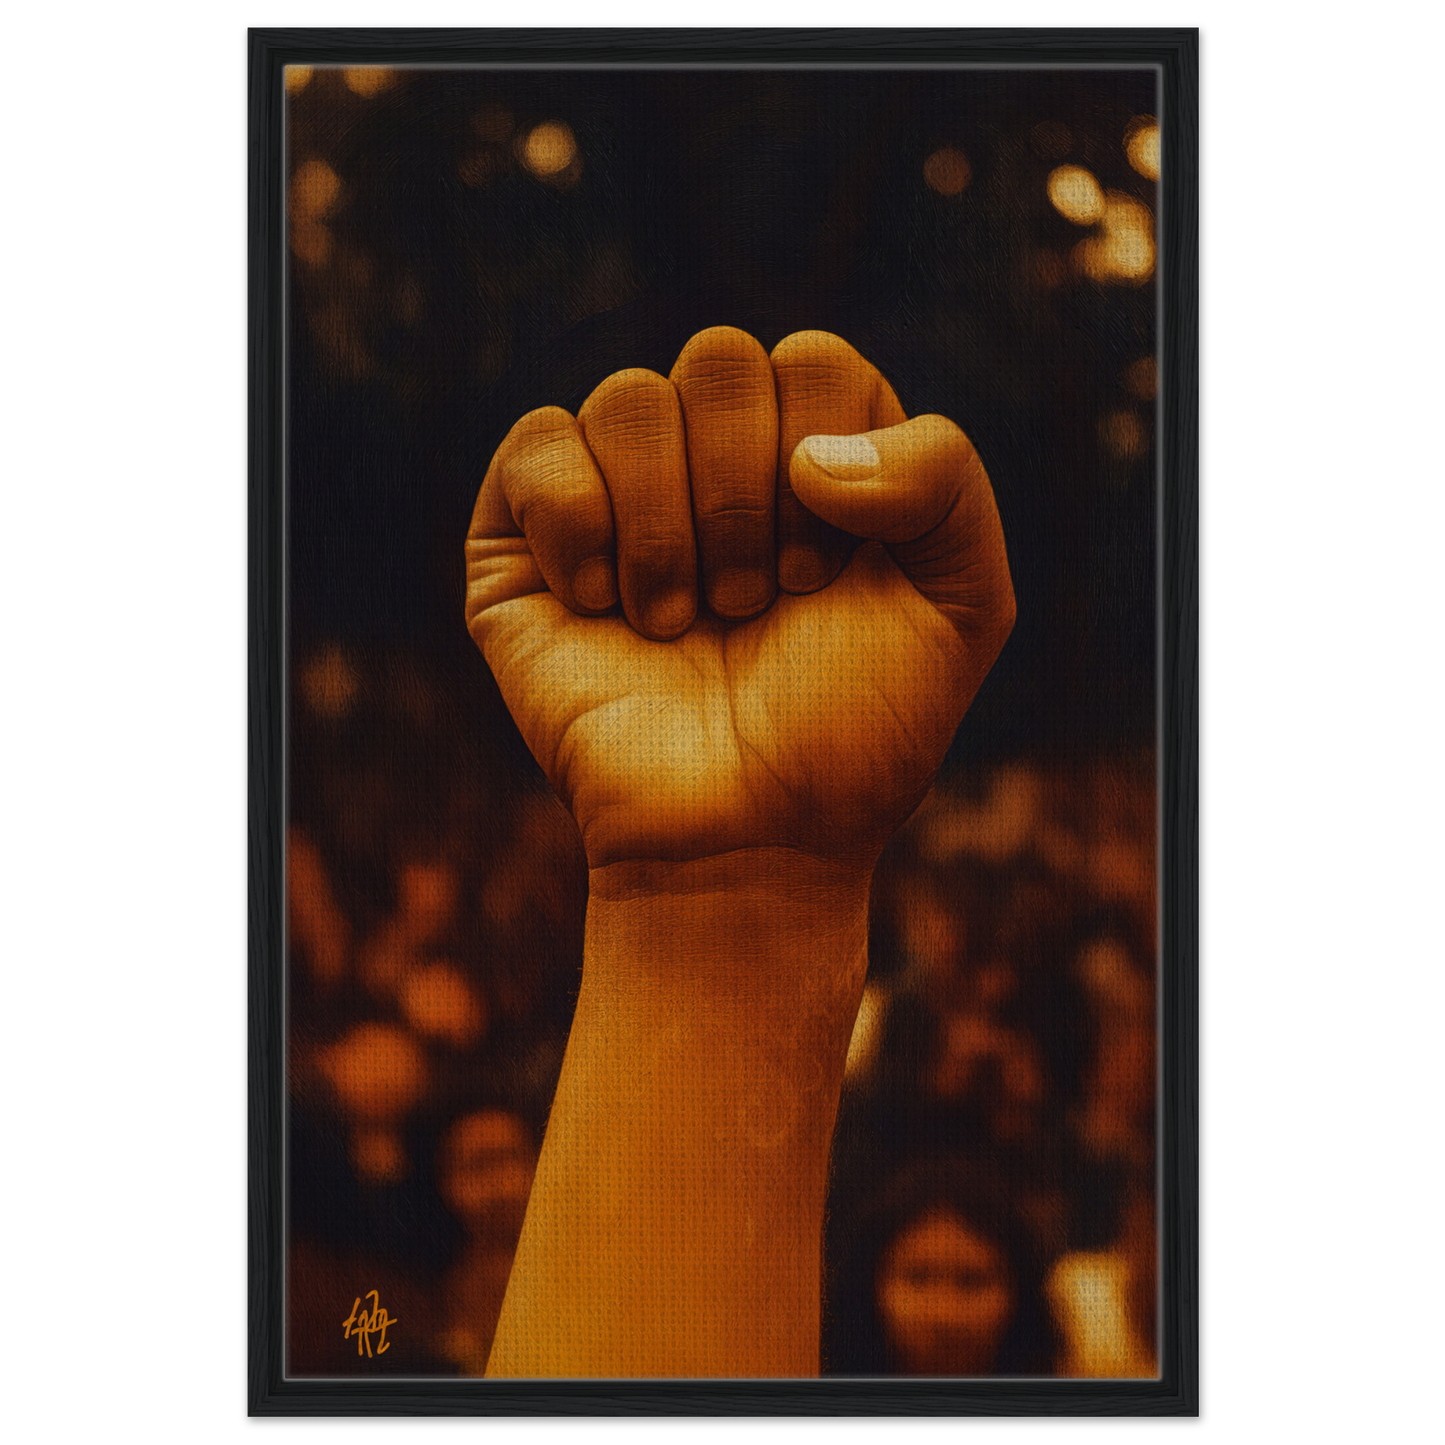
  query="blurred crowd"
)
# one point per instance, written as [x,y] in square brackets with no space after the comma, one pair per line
[992,1208]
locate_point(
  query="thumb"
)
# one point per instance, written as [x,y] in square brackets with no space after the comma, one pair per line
[921,490]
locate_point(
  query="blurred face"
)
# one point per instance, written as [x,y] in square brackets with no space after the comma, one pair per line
[945,1297]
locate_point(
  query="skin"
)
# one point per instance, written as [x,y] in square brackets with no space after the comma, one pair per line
[945,1297]
[739,703]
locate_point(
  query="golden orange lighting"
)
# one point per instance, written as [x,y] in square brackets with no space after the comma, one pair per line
[426,898]
[867,1033]
[1076,195]
[378,1156]
[311,241]
[1142,378]
[485,1163]
[549,149]
[328,681]
[1088,1295]
[947,171]
[1122,432]
[297,78]
[1141,145]
[438,1003]
[488,1131]
[1124,252]
[384,958]
[1129,233]
[367,80]
[314,190]
[998,828]
[378,1072]
[317,922]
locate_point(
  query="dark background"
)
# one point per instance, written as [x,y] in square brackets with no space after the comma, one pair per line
[772,202]
[439,288]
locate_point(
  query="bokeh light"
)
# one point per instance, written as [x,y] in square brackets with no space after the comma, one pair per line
[485,1165]
[314,190]
[377,1070]
[329,683]
[993,828]
[378,1156]
[297,78]
[1141,145]
[549,149]
[427,898]
[1088,1291]
[439,1003]
[947,171]
[368,80]
[1124,250]
[1142,378]
[311,241]
[1124,435]
[1076,195]
[320,929]
[1129,236]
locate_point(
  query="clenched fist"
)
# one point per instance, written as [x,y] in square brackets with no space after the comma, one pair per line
[671,592]
[739,703]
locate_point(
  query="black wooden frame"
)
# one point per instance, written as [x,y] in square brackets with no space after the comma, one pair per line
[1175,53]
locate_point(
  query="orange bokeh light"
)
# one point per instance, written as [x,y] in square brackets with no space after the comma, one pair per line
[377,1070]
[947,171]
[1076,195]
[438,1002]
[1141,145]
[368,80]
[549,148]
[315,189]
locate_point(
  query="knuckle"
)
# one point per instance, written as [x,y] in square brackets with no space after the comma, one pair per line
[735,517]
[726,381]
[655,556]
[566,520]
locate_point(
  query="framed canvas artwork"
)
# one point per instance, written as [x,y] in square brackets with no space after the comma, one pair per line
[723,744]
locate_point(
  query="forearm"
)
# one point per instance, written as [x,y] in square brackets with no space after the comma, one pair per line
[675,1226]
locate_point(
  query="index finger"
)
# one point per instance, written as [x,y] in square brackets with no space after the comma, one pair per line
[542,521]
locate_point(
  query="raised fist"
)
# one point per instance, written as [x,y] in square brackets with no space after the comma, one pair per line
[671,592]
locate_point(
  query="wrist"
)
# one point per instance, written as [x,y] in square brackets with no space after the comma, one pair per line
[748,926]
[742,972]
[676,1221]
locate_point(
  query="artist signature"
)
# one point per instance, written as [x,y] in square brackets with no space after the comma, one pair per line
[366,1323]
